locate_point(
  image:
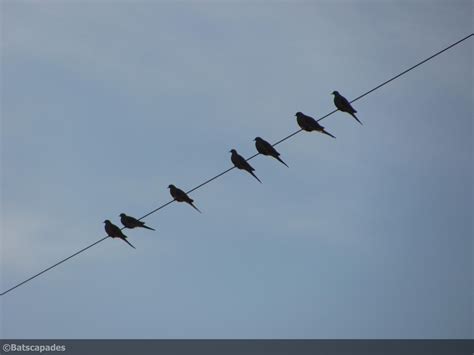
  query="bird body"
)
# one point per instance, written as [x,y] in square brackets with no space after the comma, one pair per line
[115,232]
[265,148]
[309,124]
[181,196]
[131,222]
[344,105]
[240,163]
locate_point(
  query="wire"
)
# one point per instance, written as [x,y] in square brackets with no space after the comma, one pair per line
[253,156]
[53,266]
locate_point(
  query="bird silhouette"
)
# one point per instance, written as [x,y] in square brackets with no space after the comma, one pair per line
[181,196]
[131,222]
[343,105]
[265,148]
[309,124]
[241,163]
[115,232]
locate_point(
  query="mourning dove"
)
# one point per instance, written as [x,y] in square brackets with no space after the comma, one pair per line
[241,163]
[181,196]
[309,124]
[343,105]
[115,232]
[131,222]
[265,148]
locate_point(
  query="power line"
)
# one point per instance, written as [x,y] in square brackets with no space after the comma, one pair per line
[53,266]
[253,156]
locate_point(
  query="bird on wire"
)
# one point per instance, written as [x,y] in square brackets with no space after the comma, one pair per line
[309,124]
[113,231]
[343,105]
[181,196]
[240,163]
[265,148]
[131,222]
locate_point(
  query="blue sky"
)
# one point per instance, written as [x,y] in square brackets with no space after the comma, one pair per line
[104,104]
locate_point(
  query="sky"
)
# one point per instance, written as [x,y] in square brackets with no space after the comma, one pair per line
[104,104]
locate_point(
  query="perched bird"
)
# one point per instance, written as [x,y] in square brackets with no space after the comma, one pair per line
[308,123]
[343,105]
[265,148]
[113,231]
[181,196]
[241,163]
[131,222]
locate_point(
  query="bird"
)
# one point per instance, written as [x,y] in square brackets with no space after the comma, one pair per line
[265,148]
[308,123]
[131,222]
[115,232]
[343,105]
[181,196]
[241,163]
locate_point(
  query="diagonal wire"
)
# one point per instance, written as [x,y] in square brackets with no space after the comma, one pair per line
[53,266]
[253,156]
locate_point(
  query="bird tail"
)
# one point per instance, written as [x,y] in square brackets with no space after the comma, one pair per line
[255,176]
[281,161]
[329,134]
[192,205]
[126,241]
[353,115]
[148,228]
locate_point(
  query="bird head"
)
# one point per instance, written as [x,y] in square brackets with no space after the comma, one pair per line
[257,139]
[298,114]
[335,93]
[171,186]
[122,214]
[106,221]
[232,151]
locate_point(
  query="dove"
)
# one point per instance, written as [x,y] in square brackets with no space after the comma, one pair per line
[241,163]
[308,123]
[181,196]
[265,148]
[343,105]
[130,222]
[113,231]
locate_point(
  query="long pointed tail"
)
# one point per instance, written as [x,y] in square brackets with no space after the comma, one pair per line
[329,134]
[353,115]
[126,241]
[255,176]
[192,205]
[281,161]
[147,227]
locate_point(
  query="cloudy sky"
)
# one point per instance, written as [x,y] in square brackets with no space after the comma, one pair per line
[104,104]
